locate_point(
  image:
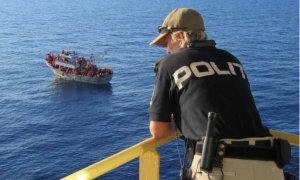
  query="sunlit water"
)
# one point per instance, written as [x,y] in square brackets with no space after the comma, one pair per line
[51,128]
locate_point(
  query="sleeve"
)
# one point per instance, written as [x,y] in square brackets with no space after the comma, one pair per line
[160,106]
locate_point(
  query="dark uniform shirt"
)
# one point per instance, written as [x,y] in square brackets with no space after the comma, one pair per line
[202,79]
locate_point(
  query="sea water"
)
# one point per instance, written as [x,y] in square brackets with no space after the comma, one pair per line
[50,128]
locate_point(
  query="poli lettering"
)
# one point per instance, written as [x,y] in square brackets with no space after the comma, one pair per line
[185,72]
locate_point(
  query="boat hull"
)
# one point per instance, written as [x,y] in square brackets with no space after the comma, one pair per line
[79,78]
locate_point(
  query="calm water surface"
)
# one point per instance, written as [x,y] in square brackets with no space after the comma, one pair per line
[50,128]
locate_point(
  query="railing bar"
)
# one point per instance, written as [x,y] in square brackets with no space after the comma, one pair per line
[114,161]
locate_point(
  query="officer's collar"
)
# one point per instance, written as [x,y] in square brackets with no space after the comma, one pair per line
[199,44]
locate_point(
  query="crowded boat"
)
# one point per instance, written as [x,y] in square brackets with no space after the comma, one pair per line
[71,66]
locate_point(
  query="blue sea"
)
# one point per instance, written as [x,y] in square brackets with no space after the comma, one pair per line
[50,128]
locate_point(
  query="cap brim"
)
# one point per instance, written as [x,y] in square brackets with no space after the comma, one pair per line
[160,40]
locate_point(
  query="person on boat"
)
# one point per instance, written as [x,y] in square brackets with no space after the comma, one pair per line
[196,78]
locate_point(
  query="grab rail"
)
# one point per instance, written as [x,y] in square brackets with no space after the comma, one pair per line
[149,159]
[292,138]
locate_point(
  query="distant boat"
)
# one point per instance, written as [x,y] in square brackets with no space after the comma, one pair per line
[70,66]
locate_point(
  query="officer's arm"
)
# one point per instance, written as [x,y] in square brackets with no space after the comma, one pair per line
[161,130]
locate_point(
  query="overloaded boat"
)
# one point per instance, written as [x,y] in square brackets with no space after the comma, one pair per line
[70,66]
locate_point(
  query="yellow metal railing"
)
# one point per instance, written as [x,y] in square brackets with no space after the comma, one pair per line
[292,138]
[149,159]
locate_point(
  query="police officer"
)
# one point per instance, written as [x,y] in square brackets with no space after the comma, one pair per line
[197,78]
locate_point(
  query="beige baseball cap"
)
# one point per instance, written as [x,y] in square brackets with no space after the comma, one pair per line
[181,19]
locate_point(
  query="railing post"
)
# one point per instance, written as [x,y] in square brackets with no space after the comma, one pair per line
[149,158]
[149,165]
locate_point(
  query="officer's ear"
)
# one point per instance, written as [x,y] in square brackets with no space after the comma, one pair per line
[181,39]
[180,35]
